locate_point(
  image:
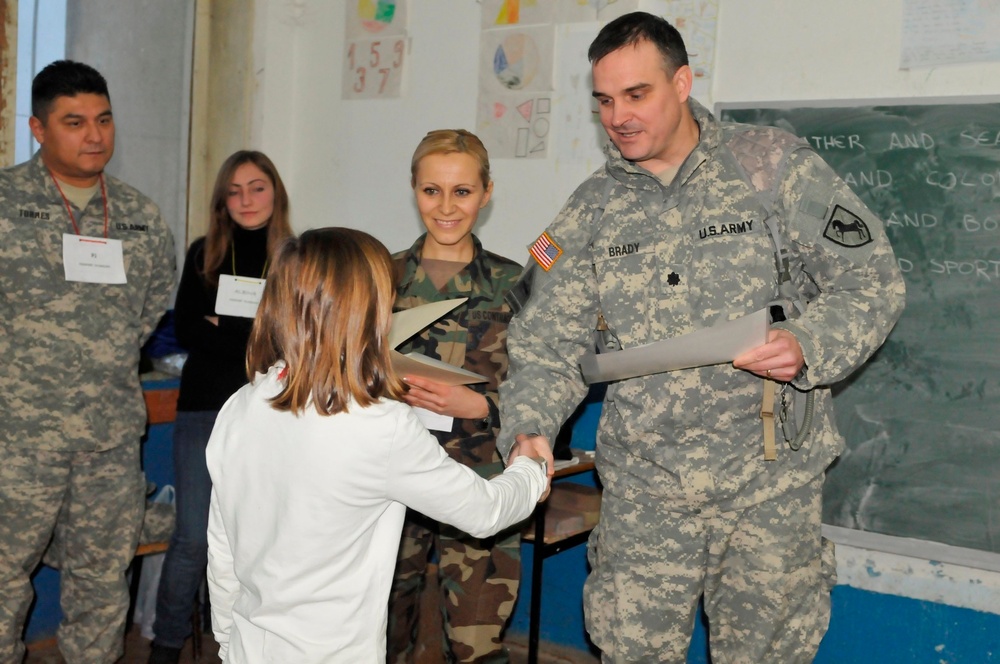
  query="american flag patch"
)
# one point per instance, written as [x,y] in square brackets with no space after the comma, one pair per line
[545,251]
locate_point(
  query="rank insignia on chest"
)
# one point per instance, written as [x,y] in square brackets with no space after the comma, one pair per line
[545,251]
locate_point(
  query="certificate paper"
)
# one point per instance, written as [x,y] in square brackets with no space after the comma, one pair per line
[409,322]
[94,260]
[415,364]
[714,345]
[238,296]
[432,421]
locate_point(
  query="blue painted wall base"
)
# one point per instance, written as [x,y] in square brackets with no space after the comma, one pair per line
[865,628]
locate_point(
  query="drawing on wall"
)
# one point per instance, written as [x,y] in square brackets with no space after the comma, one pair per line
[515,91]
[696,20]
[516,61]
[516,66]
[500,13]
[579,135]
[367,18]
[578,11]
[937,32]
[375,49]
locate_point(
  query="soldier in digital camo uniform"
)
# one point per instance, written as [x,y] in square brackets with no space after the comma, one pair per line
[86,272]
[669,238]
[478,578]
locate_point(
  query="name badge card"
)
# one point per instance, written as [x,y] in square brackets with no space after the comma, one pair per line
[95,260]
[238,296]
[433,421]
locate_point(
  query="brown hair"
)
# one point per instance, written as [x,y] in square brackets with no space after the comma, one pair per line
[220,224]
[448,141]
[326,312]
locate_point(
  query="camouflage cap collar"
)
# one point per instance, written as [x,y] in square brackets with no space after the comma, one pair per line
[634,176]
[40,173]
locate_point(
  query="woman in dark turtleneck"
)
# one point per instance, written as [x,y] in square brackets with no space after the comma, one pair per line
[249,220]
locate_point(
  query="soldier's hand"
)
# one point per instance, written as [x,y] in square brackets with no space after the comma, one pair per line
[534,446]
[548,478]
[779,359]
[454,400]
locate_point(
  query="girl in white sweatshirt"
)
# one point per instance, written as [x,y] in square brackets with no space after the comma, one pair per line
[315,461]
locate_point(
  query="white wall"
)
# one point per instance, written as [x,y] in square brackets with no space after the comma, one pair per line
[347,162]
[809,49]
[150,92]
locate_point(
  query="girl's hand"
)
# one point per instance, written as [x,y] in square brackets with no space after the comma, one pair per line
[454,400]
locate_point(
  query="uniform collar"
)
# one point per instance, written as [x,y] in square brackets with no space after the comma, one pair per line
[632,175]
[477,269]
[40,174]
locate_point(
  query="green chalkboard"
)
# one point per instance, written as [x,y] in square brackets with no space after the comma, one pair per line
[922,418]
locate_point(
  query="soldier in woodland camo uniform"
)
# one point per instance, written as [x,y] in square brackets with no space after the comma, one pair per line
[478,578]
[668,238]
[71,402]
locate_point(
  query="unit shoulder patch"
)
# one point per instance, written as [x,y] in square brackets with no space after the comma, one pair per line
[846,228]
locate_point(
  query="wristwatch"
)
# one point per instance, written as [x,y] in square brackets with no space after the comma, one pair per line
[492,416]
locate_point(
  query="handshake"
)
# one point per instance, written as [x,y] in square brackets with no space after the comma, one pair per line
[536,447]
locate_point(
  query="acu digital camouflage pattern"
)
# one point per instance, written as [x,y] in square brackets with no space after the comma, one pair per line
[767,585]
[72,405]
[478,579]
[94,541]
[71,349]
[661,261]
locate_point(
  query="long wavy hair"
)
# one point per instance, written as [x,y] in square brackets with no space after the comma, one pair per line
[326,312]
[219,236]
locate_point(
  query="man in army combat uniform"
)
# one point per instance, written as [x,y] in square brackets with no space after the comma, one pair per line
[86,272]
[693,222]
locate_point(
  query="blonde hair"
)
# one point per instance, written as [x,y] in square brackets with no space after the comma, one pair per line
[326,312]
[449,141]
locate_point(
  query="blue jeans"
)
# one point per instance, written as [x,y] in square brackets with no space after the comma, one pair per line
[184,564]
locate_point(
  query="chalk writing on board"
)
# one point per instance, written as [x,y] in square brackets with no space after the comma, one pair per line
[922,418]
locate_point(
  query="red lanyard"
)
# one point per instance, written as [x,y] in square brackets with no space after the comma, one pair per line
[69,210]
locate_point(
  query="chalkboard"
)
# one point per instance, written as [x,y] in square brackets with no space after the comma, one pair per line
[921,419]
